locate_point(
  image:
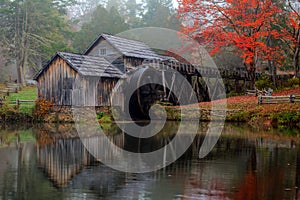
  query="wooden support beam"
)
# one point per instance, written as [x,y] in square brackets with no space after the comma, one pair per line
[172,85]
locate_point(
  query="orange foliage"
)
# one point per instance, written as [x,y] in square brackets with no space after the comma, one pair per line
[243,24]
[249,103]
[42,107]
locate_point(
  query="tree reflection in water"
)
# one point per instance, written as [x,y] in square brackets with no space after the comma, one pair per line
[243,165]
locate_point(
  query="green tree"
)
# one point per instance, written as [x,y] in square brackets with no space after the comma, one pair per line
[102,21]
[117,4]
[160,13]
[133,13]
[130,10]
[32,30]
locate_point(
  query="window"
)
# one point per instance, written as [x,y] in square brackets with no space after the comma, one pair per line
[68,83]
[102,52]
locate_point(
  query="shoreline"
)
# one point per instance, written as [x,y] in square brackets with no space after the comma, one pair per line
[287,116]
[50,131]
[241,109]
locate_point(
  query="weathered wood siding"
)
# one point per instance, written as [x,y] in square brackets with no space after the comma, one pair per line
[95,91]
[63,86]
[111,53]
[56,82]
[132,63]
[104,88]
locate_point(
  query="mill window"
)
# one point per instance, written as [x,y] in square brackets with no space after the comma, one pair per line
[102,52]
[68,83]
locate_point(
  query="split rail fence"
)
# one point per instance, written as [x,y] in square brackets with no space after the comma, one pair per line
[17,103]
[278,99]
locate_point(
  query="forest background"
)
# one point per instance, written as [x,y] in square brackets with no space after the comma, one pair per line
[252,34]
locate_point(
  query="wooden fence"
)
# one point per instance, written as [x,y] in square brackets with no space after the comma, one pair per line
[4,92]
[17,102]
[10,88]
[278,99]
[13,87]
[256,92]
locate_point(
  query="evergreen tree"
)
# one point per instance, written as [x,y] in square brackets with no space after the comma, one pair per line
[102,21]
[32,30]
[159,13]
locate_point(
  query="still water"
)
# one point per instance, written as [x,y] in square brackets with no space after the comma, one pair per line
[50,162]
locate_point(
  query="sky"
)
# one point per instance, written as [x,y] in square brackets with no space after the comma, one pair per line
[175,3]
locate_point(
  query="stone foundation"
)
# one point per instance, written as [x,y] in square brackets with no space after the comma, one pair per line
[64,114]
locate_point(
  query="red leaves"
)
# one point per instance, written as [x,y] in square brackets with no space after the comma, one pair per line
[245,24]
[295,91]
[294,20]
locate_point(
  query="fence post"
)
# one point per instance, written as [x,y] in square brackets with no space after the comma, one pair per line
[260,99]
[292,98]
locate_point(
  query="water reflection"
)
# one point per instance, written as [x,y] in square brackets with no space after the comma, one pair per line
[50,161]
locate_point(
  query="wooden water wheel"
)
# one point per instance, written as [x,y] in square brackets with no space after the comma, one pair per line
[149,90]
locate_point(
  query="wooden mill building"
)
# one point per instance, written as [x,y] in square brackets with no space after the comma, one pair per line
[87,79]
[71,79]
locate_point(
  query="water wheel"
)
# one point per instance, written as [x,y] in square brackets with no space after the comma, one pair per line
[149,90]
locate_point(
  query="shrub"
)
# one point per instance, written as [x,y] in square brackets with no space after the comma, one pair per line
[100,115]
[293,82]
[241,116]
[11,114]
[42,107]
[264,82]
[106,118]
[286,118]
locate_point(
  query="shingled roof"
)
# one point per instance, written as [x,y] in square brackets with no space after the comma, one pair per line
[127,47]
[87,65]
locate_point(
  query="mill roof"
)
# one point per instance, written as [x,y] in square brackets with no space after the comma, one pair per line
[86,65]
[127,47]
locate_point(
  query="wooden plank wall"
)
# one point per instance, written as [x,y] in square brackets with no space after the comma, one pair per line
[111,53]
[132,63]
[54,83]
[63,86]
[104,90]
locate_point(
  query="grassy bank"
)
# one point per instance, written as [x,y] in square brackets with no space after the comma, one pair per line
[10,112]
[239,109]
[248,110]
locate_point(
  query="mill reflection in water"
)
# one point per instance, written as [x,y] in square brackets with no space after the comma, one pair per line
[53,163]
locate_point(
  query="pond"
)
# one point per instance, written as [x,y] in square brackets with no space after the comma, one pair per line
[50,162]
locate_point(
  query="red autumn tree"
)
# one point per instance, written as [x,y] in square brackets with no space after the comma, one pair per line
[242,25]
